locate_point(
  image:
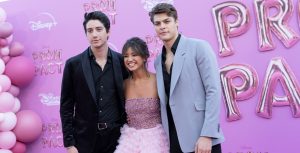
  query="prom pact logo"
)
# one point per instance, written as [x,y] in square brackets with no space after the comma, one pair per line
[43,20]
[149,4]
[49,99]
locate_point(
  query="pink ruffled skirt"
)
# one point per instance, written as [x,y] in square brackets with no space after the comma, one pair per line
[152,140]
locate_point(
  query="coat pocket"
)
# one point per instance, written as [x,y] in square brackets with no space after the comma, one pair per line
[199,106]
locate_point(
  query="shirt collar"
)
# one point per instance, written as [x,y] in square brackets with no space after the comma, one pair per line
[91,54]
[174,46]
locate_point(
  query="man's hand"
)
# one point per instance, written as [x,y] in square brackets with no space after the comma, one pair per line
[203,145]
[72,149]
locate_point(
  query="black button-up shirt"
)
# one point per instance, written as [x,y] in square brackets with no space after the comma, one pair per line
[106,91]
[174,143]
[166,75]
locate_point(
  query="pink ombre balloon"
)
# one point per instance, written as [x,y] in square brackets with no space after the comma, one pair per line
[7,102]
[5,82]
[20,70]
[6,59]
[9,122]
[29,126]
[5,151]
[19,148]
[16,49]
[14,90]
[4,51]
[3,42]
[1,117]
[6,29]
[10,38]
[17,106]
[2,15]
[2,66]
[7,140]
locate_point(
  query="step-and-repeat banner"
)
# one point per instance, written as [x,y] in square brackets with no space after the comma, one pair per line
[256,43]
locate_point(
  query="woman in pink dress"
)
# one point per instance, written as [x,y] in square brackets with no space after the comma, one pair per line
[143,133]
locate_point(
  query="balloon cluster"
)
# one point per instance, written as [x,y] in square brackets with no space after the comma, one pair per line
[266,23]
[16,127]
[277,73]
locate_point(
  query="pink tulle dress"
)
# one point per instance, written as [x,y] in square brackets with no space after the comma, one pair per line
[144,132]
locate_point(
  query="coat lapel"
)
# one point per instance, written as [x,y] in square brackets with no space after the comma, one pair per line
[118,76]
[160,82]
[177,64]
[87,71]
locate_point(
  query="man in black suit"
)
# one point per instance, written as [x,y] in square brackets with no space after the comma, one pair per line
[92,100]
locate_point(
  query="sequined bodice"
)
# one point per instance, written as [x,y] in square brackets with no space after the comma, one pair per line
[143,112]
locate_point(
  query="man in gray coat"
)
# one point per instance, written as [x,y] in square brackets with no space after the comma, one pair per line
[188,86]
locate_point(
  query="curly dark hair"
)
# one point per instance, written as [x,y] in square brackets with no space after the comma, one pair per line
[163,8]
[97,15]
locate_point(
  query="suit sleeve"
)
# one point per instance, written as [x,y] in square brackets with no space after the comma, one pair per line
[209,72]
[67,106]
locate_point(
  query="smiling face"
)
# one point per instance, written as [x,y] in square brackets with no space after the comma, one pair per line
[133,61]
[166,27]
[96,34]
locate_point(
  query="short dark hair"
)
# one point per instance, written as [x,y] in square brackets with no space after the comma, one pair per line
[96,15]
[167,8]
[138,46]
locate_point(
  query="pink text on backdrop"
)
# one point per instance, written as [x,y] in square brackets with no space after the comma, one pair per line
[48,61]
[278,23]
[106,6]
[278,71]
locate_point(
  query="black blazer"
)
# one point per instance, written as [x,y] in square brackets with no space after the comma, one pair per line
[78,109]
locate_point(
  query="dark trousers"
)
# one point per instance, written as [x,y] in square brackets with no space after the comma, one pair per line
[107,140]
[174,143]
[215,149]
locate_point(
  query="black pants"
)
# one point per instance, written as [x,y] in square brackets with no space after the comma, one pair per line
[174,143]
[215,149]
[107,140]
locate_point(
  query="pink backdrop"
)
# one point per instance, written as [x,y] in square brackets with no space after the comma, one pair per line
[52,31]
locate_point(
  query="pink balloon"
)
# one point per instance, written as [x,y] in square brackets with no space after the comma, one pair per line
[9,122]
[29,126]
[16,49]
[6,59]
[3,42]
[14,90]
[2,15]
[7,140]
[5,151]
[10,38]
[6,29]
[20,70]
[279,70]
[2,66]
[5,82]
[226,29]
[232,92]
[278,24]
[1,117]
[19,148]
[4,51]
[17,106]
[7,102]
